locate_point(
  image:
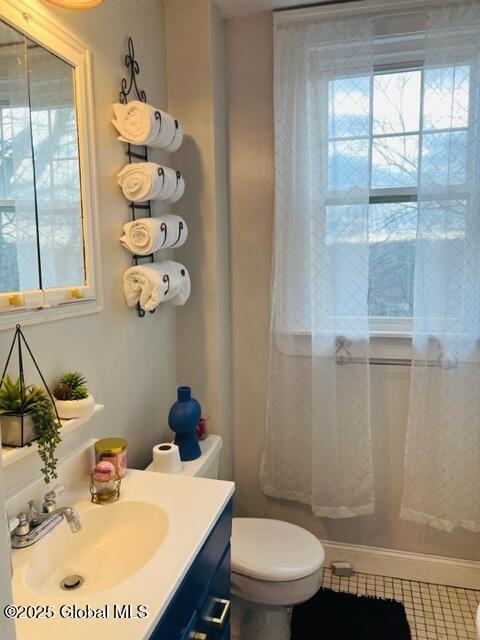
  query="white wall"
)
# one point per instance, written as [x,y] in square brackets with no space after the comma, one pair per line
[196,87]
[129,362]
[251,220]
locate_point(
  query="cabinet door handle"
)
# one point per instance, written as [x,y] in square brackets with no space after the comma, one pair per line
[225,604]
[195,635]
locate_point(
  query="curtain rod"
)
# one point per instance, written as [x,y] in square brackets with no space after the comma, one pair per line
[313,5]
[352,7]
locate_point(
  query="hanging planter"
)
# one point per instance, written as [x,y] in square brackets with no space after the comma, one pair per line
[28,413]
[18,404]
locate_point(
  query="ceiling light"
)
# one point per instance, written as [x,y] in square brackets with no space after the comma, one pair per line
[76,4]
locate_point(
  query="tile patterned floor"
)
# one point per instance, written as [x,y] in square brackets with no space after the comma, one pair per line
[434,612]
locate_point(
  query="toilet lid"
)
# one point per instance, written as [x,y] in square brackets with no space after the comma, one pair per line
[274,550]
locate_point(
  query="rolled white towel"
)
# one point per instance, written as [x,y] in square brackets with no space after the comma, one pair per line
[151,284]
[147,235]
[142,181]
[141,124]
[137,122]
[179,189]
[177,139]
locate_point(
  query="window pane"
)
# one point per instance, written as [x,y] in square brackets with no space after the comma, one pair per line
[18,242]
[56,162]
[67,145]
[346,241]
[442,221]
[392,235]
[444,158]
[396,102]
[349,107]
[395,161]
[9,277]
[445,103]
[347,164]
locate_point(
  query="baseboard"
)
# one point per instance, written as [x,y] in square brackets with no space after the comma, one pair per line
[410,566]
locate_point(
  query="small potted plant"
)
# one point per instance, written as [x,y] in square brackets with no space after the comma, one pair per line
[27,414]
[72,398]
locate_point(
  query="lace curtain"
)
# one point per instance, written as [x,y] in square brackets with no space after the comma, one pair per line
[442,459]
[318,442]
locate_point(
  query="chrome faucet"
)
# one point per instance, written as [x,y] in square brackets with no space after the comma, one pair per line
[34,525]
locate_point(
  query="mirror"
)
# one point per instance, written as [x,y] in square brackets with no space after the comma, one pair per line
[42,235]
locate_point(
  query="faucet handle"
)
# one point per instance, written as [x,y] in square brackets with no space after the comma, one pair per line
[55,492]
[49,501]
[23,526]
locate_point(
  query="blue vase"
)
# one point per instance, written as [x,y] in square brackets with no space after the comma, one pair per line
[183,417]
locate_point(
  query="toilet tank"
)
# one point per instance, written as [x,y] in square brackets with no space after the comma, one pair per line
[206,466]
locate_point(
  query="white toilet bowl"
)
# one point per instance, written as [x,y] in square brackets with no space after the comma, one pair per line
[275,565]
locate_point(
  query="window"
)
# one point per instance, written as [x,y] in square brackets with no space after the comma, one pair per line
[390,129]
[47,192]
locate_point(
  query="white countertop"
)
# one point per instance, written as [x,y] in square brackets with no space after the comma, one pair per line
[192,505]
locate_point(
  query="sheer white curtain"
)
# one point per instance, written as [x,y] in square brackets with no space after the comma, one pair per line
[318,442]
[442,460]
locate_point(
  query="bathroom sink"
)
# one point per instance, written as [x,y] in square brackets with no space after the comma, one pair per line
[130,554]
[114,543]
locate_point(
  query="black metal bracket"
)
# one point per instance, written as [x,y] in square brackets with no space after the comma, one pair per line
[130,86]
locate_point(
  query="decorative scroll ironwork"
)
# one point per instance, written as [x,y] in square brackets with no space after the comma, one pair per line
[343,354]
[134,68]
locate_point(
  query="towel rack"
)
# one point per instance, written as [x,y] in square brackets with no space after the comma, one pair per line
[127,87]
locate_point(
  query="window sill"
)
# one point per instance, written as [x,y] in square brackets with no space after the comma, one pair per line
[23,316]
[391,346]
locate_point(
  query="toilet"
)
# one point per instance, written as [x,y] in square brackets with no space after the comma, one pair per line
[275,564]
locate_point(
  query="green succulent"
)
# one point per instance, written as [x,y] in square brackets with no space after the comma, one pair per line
[79,393]
[73,379]
[16,398]
[71,386]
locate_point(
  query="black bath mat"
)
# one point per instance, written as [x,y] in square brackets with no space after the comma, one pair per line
[330,615]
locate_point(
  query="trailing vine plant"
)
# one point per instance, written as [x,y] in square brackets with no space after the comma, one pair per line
[48,437]
[18,399]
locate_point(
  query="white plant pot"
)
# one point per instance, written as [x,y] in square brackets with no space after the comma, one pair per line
[69,409]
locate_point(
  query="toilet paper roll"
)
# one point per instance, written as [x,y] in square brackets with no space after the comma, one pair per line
[166,458]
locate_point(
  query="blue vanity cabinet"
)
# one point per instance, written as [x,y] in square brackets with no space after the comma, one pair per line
[200,609]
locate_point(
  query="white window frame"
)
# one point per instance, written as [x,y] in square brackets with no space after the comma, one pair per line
[32,307]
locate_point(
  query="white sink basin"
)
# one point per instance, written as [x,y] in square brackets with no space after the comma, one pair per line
[134,552]
[114,543]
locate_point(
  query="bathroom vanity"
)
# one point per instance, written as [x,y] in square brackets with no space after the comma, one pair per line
[155,564]
[200,609]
